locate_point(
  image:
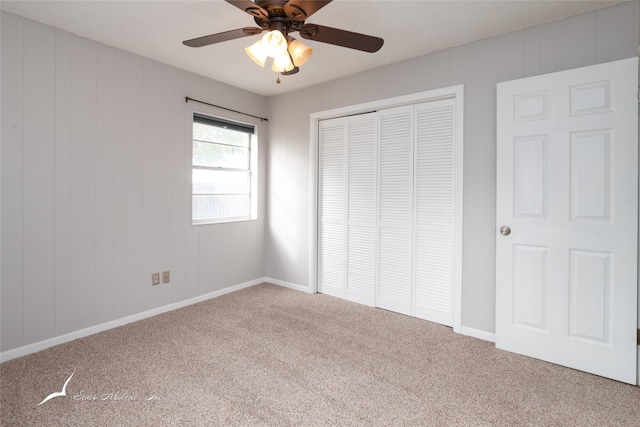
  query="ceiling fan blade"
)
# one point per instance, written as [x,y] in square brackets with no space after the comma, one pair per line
[299,10]
[222,37]
[250,7]
[342,38]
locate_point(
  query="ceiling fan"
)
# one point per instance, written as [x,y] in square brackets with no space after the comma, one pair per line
[281,18]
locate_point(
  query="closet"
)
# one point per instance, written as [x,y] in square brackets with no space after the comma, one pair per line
[389,208]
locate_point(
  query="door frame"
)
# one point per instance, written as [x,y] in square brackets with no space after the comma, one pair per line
[456,92]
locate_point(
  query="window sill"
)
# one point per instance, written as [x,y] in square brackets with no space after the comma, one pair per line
[221,220]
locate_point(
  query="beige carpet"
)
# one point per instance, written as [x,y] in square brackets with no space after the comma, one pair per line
[269,356]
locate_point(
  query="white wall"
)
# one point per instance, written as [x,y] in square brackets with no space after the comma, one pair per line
[584,40]
[95,175]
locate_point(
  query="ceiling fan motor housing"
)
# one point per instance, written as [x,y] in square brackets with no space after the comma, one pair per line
[283,15]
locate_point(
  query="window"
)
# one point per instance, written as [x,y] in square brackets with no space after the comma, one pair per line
[224,179]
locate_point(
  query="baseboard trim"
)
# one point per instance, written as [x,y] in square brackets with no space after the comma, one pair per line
[288,285]
[51,342]
[476,333]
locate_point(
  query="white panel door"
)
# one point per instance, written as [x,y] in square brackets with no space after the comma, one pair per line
[567,184]
[395,232]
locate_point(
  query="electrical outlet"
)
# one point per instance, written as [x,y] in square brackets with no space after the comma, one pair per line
[165,277]
[155,279]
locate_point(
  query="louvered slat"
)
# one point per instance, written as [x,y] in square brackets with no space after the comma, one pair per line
[361,261]
[394,270]
[331,254]
[331,200]
[331,185]
[395,151]
[362,168]
[434,270]
[396,165]
[362,178]
[435,211]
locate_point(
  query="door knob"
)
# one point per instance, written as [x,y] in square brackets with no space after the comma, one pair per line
[505,231]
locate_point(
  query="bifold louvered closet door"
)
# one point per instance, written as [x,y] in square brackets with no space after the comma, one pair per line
[386,209]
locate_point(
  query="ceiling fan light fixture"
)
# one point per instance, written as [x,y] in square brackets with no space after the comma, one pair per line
[282,63]
[300,52]
[257,52]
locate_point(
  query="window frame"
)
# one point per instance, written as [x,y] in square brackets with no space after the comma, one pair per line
[250,129]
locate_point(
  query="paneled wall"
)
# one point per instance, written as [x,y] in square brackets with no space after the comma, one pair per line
[95,175]
[584,40]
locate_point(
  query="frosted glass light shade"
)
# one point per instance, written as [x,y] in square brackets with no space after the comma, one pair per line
[257,52]
[299,51]
[274,43]
[282,63]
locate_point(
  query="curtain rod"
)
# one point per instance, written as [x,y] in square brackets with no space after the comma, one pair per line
[262,119]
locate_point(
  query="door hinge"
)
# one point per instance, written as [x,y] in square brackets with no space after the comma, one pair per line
[638,336]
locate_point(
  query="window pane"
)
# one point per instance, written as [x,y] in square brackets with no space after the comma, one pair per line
[222,162]
[220,181]
[223,156]
[215,207]
[204,132]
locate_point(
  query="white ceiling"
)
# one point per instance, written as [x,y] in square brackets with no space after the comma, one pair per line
[156,29]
